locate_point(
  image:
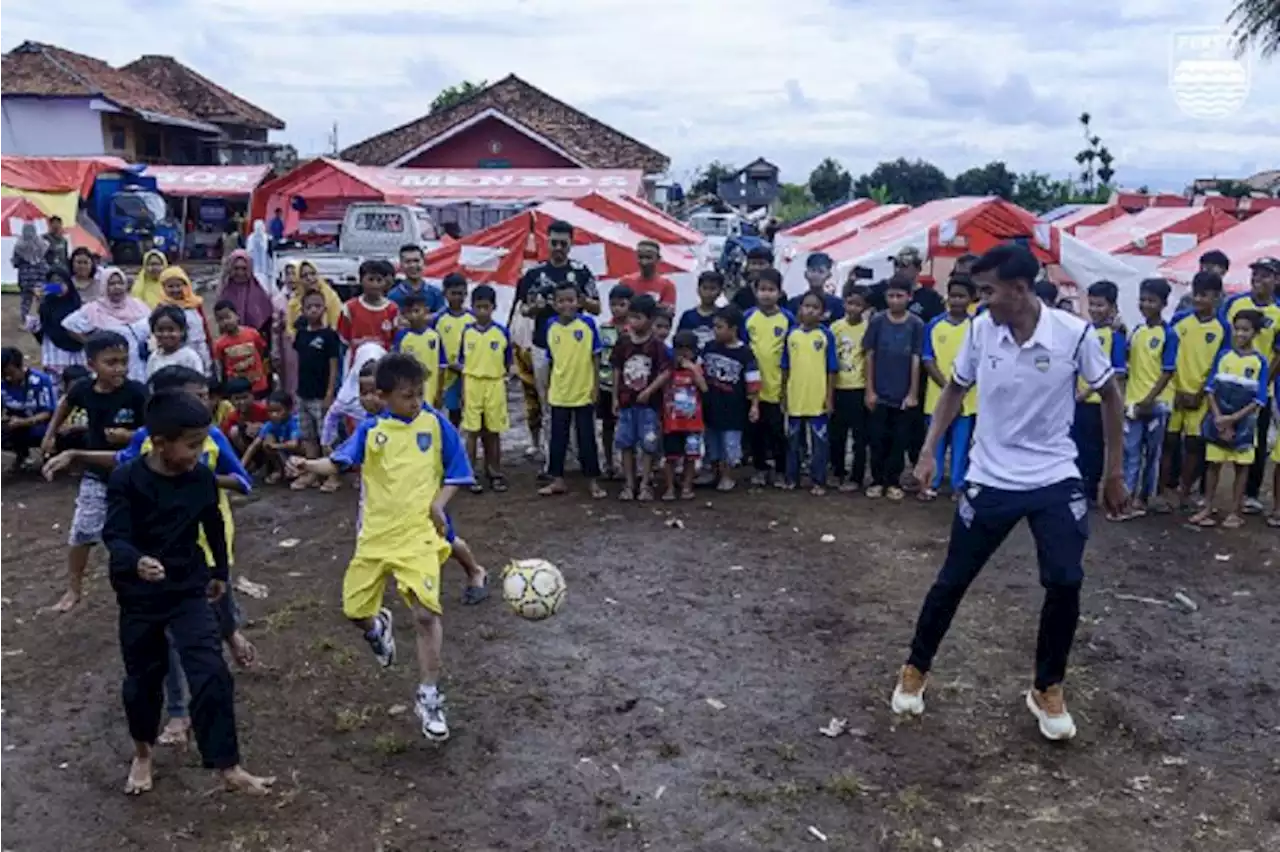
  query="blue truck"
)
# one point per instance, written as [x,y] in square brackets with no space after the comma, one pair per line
[132,215]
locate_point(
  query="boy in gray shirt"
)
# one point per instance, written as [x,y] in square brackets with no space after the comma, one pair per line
[893,344]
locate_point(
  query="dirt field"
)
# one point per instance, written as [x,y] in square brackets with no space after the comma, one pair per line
[597,729]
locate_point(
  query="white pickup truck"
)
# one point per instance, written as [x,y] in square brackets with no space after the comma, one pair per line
[370,231]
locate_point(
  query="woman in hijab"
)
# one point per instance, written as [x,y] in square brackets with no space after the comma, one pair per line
[59,348]
[85,275]
[176,290]
[28,259]
[348,409]
[259,247]
[116,311]
[147,286]
[309,281]
[251,295]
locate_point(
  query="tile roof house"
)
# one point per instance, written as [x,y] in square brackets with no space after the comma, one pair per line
[512,124]
[61,103]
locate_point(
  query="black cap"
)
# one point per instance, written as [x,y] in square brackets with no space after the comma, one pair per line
[1269,264]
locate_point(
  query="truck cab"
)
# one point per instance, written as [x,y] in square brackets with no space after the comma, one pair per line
[133,216]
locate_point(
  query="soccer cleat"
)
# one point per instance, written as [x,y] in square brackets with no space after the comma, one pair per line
[430,710]
[381,639]
[908,695]
[1050,710]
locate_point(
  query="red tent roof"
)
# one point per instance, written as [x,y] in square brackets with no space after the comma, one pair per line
[15,209]
[57,174]
[1142,232]
[847,229]
[827,218]
[1089,216]
[319,180]
[646,221]
[1252,239]
[208,181]
[995,221]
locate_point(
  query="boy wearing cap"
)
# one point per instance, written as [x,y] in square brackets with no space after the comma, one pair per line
[817,272]
[1261,298]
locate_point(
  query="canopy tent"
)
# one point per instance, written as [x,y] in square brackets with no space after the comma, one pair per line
[326,186]
[1146,237]
[1087,216]
[796,253]
[57,174]
[950,227]
[16,211]
[208,181]
[1252,239]
[646,221]
[829,217]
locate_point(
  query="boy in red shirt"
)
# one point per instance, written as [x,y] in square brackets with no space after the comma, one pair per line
[371,316]
[682,415]
[244,421]
[238,352]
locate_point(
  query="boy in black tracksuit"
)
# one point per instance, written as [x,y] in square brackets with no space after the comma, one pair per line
[156,506]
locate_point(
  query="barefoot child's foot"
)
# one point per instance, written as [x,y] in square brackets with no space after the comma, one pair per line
[177,731]
[236,780]
[597,493]
[69,601]
[139,780]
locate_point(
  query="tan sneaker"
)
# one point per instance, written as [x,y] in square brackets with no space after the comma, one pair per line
[1050,710]
[908,695]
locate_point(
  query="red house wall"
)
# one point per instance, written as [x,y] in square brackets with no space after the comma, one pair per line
[485,143]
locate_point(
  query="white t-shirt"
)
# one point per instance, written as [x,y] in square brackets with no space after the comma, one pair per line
[184,356]
[1027,398]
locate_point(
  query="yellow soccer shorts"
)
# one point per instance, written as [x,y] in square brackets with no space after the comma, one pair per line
[1215,454]
[417,578]
[484,406]
[1187,422]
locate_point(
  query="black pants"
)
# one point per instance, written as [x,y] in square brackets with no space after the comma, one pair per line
[145,649]
[890,433]
[23,440]
[769,438]
[1254,483]
[1090,440]
[582,420]
[1059,519]
[849,420]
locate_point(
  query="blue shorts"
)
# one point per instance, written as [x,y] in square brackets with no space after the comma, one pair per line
[639,428]
[453,397]
[723,445]
[449,535]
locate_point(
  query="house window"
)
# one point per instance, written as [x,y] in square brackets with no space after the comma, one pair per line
[152,145]
[117,137]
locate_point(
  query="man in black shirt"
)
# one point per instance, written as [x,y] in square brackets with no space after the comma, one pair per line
[157,506]
[925,303]
[534,298]
[759,259]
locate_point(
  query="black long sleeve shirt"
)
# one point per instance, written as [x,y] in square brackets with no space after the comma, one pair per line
[151,514]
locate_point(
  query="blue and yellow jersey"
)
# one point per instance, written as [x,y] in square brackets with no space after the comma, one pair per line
[486,352]
[809,359]
[572,347]
[1237,379]
[853,361]
[1265,341]
[1199,342]
[403,464]
[425,346]
[942,340]
[449,326]
[1153,351]
[1113,346]
[767,335]
[220,457]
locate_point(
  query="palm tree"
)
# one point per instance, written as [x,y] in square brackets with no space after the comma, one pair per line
[1256,23]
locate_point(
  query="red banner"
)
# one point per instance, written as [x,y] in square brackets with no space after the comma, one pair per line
[208,181]
[505,184]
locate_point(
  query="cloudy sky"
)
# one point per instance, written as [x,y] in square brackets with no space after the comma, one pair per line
[957,83]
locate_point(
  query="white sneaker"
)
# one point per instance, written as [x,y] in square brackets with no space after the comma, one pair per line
[429,708]
[1253,506]
[1050,711]
[908,695]
[383,642]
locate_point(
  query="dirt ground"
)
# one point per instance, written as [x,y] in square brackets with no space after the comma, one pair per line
[596,730]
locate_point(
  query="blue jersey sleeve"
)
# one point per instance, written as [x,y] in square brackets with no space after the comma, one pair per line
[1119,352]
[508,353]
[1262,385]
[134,448]
[597,345]
[351,453]
[1169,358]
[833,363]
[46,395]
[229,461]
[928,354]
[435,298]
[453,456]
[1211,384]
[397,342]
[791,318]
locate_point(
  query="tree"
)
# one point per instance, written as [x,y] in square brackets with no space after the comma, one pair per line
[1039,193]
[1095,160]
[284,159]
[830,182]
[707,181]
[905,182]
[992,179]
[457,94]
[1256,23]
[794,203]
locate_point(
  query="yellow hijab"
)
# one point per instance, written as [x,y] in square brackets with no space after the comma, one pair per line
[332,304]
[146,288]
[188,299]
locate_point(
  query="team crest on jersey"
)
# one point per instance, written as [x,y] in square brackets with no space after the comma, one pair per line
[777,331]
[379,439]
[577,334]
[817,345]
[1209,337]
[424,441]
[1248,372]
[1042,363]
[493,344]
[1155,343]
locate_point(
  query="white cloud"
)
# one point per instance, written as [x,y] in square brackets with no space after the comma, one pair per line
[959,84]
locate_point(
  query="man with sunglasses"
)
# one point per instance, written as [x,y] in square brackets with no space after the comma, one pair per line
[534,298]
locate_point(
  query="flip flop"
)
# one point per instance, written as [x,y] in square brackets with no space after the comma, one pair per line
[498,484]
[473,595]
[1232,522]
[477,488]
[1203,519]
[1274,521]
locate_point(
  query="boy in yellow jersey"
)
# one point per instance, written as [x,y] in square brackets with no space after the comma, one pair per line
[1202,334]
[848,406]
[1261,298]
[1148,395]
[486,360]
[1237,391]
[449,324]
[573,345]
[1086,429]
[411,463]
[767,326]
[809,365]
[423,342]
[942,340]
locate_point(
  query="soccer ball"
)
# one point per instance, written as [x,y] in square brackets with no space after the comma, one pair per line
[533,588]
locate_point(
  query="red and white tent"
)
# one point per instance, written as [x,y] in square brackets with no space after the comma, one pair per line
[1087,216]
[795,251]
[827,218]
[16,211]
[208,181]
[1252,239]
[648,222]
[1156,233]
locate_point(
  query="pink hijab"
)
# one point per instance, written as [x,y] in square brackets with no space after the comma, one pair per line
[251,298]
[103,313]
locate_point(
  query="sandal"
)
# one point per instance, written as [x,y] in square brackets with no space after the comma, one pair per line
[1204,518]
[1274,521]
[848,486]
[1232,522]
[687,494]
[818,491]
[874,492]
[726,485]
[473,595]
[927,495]
[668,496]
[626,495]
[645,495]
[598,493]
[894,493]
[552,490]
[477,488]
[498,483]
